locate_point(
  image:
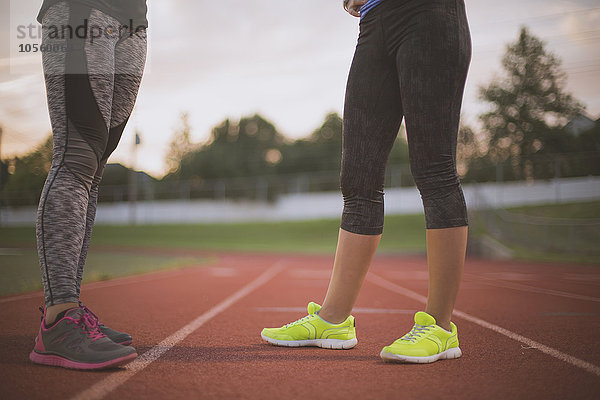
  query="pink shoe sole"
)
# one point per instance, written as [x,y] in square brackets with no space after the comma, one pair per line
[58,361]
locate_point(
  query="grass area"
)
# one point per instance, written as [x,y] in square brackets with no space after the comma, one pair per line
[402,234]
[21,272]
[20,268]
[588,209]
[525,254]
[536,243]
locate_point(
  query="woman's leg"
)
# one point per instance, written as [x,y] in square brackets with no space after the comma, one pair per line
[445,258]
[79,83]
[372,117]
[432,61]
[79,105]
[352,259]
[432,57]
[130,59]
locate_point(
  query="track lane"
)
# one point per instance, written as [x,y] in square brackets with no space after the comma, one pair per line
[226,359]
[114,381]
[221,362]
[555,321]
[149,309]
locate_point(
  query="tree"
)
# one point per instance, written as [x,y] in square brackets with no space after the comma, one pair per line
[528,105]
[399,153]
[180,145]
[320,151]
[25,183]
[250,147]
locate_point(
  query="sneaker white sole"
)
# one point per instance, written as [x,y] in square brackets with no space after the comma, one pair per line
[336,344]
[444,355]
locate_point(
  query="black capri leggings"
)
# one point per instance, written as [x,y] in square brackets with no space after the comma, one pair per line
[411,61]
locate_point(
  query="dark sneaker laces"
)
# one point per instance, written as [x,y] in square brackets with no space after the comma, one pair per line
[88,321]
[88,311]
[82,306]
[88,325]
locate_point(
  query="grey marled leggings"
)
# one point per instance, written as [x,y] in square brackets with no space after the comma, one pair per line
[92,78]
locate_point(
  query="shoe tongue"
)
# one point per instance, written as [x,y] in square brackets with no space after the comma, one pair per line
[313,308]
[422,318]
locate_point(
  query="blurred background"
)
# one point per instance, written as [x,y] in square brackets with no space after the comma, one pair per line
[235,140]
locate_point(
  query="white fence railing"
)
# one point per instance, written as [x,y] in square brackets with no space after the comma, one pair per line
[305,206]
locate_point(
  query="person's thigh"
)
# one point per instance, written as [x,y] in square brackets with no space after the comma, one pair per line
[79,81]
[432,50]
[372,117]
[130,59]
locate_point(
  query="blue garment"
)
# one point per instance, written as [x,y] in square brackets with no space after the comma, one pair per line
[369,5]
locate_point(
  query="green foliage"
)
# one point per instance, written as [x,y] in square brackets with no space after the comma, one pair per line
[247,148]
[468,149]
[529,101]
[589,140]
[23,178]
[254,147]
[528,108]
[180,145]
[3,174]
[399,153]
[28,175]
[320,151]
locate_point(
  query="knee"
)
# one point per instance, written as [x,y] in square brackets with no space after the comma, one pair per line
[435,179]
[82,161]
[363,207]
[357,188]
[442,196]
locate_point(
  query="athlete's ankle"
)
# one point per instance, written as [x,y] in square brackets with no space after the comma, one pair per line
[53,311]
[332,318]
[445,325]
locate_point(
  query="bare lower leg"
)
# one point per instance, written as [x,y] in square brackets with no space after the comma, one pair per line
[352,260]
[446,250]
[53,311]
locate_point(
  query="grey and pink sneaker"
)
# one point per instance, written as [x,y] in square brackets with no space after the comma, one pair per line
[118,337]
[75,341]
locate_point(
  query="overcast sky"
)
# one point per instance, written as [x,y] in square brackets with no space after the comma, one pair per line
[287,60]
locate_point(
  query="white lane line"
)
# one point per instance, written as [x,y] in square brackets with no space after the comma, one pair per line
[594,369]
[355,310]
[531,289]
[568,314]
[113,381]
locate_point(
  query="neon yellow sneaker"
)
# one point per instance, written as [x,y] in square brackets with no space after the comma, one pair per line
[425,343]
[312,330]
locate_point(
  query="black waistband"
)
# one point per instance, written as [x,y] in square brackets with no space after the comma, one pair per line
[127,12]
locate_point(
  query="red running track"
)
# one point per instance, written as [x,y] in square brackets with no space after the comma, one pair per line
[526,331]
